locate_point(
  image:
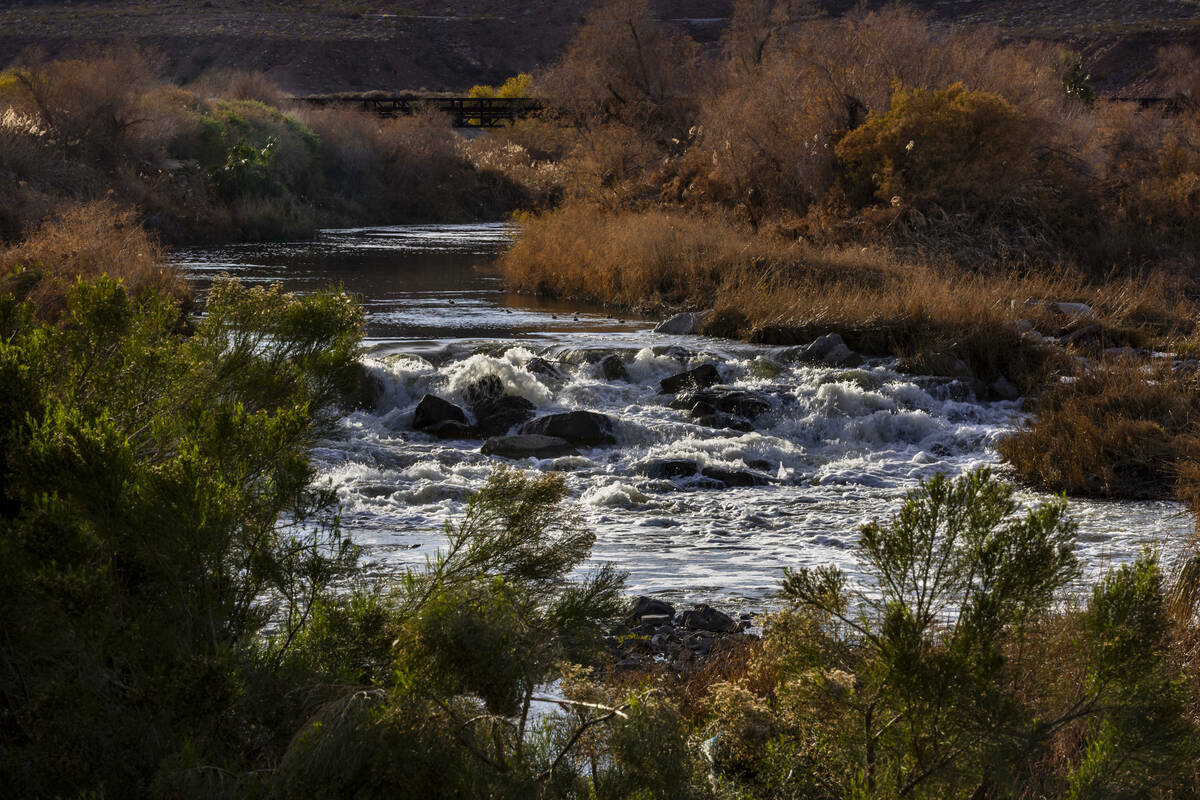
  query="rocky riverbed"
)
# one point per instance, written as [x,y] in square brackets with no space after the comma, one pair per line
[704,466]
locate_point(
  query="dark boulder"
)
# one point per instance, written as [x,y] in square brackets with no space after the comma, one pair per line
[673,351]
[648,606]
[705,618]
[452,429]
[434,410]
[728,401]
[613,369]
[828,349]
[589,355]
[499,416]
[577,427]
[544,369]
[735,478]
[487,389]
[527,446]
[362,390]
[701,377]
[670,468]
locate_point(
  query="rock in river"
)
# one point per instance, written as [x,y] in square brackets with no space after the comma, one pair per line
[496,412]
[613,369]
[684,324]
[487,389]
[735,478]
[701,377]
[827,349]
[451,429]
[499,416]
[527,445]
[433,410]
[731,401]
[577,427]
[670,468]
[544,369]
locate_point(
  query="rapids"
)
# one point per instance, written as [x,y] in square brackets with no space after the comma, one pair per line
[837,447]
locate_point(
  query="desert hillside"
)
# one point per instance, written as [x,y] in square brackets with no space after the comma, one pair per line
[329,45]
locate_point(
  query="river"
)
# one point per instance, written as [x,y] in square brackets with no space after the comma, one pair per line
[836,448]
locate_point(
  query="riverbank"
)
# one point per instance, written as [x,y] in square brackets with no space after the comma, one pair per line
[227,157]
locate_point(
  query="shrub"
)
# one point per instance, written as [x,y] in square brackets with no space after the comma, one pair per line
[145,474]
[626,67]
[85,242]
[1115,430]
[489,620]
[238,84]
[954,673]
[266,150]
[519,85]
[94,102]
[945,149]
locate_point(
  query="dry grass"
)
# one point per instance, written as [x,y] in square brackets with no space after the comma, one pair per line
[1118,429]
[85,242]
[774,290]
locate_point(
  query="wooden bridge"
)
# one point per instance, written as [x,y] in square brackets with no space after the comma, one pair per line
[466,112]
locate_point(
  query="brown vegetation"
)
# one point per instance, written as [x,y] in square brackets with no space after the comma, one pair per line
[1118,429]
[83,243]
[225,157]
[773,289]
[921,190]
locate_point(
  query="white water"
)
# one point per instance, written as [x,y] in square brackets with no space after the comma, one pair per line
[839,446]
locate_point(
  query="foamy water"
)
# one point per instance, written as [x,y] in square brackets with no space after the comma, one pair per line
[838,446]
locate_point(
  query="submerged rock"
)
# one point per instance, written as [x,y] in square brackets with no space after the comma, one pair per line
[544,369]
[670,468]
[673,351]
[526,445]
[364,391]
[433,410]
[590,355]
[764,368]
[501,415]
[729,401]
[685,324]
[1003,388]
[495,412]
[577,427]
[487,389]
[735,478]
[701,377]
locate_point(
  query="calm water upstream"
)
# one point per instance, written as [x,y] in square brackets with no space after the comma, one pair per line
[837,448]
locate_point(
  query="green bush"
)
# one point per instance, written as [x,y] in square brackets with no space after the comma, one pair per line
[952,673]
[144,478]
[253,149]
[486,623]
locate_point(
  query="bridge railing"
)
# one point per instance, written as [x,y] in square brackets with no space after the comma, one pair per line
[466,112]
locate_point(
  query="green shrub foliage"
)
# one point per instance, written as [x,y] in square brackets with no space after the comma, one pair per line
[181,615]
[145,476]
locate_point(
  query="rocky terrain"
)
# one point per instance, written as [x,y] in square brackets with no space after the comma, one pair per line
[449,45]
